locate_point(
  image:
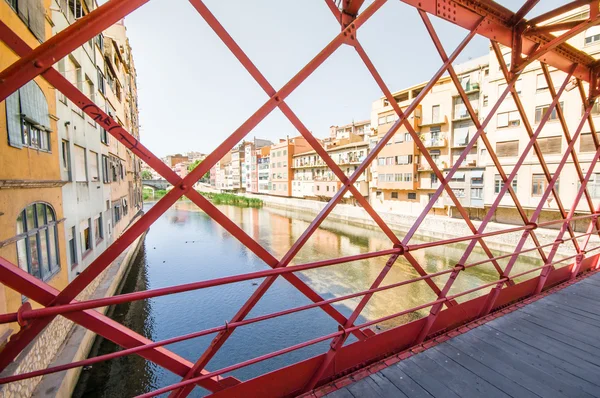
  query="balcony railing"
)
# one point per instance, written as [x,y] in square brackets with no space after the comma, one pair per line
[435,142]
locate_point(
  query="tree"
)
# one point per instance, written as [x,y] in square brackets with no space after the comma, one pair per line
[195,164]
[146,175]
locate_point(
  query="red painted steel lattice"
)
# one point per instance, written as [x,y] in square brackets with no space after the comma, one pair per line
[529,43]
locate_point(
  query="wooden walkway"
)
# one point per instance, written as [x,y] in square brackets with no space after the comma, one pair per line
[550,348]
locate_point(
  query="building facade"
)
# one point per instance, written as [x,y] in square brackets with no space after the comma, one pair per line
[281,163]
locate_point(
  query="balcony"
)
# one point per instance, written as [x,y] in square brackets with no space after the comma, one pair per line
[438,121]
[435,142]
[426,167]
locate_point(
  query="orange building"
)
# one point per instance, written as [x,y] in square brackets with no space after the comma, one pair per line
[281,163]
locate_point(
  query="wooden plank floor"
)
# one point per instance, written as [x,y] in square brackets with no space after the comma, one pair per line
[550,348]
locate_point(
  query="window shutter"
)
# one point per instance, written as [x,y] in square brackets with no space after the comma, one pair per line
[550,144]
[587,143]
[37,18]
[13,120]
[510,148]
[34,105]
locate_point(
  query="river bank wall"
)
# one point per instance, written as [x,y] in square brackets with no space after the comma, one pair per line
[433,226]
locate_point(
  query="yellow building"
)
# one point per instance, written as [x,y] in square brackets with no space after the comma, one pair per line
[31,214]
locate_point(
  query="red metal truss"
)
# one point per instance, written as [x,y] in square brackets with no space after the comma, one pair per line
[530,40]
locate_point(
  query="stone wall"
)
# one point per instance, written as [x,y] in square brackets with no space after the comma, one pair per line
[440,227]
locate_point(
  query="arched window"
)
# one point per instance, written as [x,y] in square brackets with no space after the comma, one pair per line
[37,247]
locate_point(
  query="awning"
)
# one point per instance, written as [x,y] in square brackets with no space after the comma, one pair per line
[477,174]
[459,175]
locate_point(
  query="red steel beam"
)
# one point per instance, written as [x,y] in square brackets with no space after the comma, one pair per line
[477,124]
[493,295]
[22,339]
[19,280]
[460,266]
[63,43]
[498,28]
[568,138]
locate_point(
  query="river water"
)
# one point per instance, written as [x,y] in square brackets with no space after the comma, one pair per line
[185,245]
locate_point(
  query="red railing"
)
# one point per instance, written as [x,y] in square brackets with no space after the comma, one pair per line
[483,18]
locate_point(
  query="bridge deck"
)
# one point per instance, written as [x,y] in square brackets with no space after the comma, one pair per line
[549,348]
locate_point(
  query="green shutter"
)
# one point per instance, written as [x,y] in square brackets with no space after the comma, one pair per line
[13,120]
[34,105]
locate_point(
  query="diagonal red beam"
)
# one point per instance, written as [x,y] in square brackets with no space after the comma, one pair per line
[568,138]
[222,337]
[488,305]
[433,313]
[183,187]
[530,133]
[236,50]
[63,43]
[557,41]
[219,340]
[524,10]
[14,277]
[484,138]
[493,295]
[354,42]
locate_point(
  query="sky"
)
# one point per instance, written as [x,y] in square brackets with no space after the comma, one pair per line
[193,93]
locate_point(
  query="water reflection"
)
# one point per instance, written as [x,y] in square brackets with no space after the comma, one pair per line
[185,245]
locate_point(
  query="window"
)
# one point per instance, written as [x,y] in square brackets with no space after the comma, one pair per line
[508,119]
[37,244]
[76,8]
[477,177]
[404,159]
[98,230]
[80,164]
[459,176]
[461,135]
[394,195]
[485,100]
[398,177]
[389,161]
[508,148]
[459,192]
[381,161]
[407,177]
[378,194]
[542,84]
[105,169]
[539,184]
[86,237]
[101,82]
[476,193]
[412,195]
[435,113]
[434,178]
[592,35]
[498,183]
[65,155]
[407,137]
[550,145]
[27,118]
[540,111]
[593,185]
[73,247]
[94,166]
[586,143]
[390,118]
[381,120]
[502,88]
